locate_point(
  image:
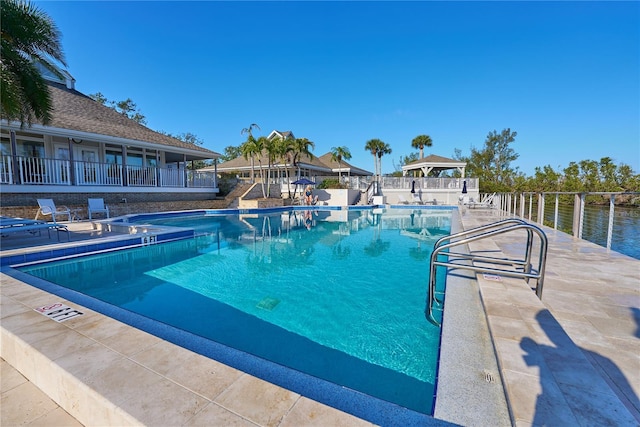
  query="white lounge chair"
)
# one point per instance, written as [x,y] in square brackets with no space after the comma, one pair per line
[48,207]
[10,225]
[485,202]
[416,198]
[97,206]
[430,199]
[402,200]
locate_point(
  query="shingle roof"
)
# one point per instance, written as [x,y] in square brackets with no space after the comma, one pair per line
[323,162]
[241,162]
[432,158]
[76,111]
[327,160]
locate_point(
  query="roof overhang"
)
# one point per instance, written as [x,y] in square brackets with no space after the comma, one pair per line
[428,166]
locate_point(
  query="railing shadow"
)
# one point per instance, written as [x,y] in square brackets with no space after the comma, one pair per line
[577,386]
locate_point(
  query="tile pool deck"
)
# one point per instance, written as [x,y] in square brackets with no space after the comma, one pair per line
[571,359]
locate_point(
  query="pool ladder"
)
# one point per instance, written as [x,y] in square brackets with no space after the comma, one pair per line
[520,268]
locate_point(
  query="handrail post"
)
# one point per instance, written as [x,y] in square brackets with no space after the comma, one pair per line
[575,229]
[541,208]
[582,200]
[555,213]
[610,226]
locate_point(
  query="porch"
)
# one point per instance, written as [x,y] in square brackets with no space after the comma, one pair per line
[23,170]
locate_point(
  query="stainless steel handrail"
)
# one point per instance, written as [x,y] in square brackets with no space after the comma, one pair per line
[526,263]
[483,232]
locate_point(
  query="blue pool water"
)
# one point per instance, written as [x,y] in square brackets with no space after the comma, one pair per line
[339,295]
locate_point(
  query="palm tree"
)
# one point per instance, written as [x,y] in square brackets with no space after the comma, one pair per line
[249,148]
[338,154]
[249,151]
[261,144]
[420,142]
[373,145]
[29,36]
[285,151]
[384,149]
[273,148]
[302,146]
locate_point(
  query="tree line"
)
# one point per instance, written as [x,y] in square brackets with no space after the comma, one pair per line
[492,164]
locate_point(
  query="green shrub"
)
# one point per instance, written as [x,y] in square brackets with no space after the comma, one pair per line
[331,183]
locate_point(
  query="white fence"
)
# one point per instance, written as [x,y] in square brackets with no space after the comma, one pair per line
[40,171]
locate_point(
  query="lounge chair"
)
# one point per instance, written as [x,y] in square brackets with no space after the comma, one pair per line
[10,225]
[48,207]
[485,202]
[402,200]
[430,199]
[416,198]
[97,206]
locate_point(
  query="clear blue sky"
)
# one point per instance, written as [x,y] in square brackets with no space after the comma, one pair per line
[564,75]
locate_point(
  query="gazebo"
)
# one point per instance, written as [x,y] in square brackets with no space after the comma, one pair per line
[433,163]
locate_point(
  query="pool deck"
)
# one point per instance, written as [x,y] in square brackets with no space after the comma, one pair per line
[572,358]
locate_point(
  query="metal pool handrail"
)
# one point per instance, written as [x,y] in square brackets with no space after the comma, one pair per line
[483,232]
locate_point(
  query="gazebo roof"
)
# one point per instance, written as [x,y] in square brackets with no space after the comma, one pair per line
[434,163]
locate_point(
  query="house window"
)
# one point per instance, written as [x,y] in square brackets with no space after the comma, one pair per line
[134,159]
[113,157]
[5,146]
[30,149]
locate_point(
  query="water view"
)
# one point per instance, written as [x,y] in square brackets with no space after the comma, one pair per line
[626,226]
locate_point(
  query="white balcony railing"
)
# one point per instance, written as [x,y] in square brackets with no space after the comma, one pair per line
[91,173]
[171,178]
[39,171]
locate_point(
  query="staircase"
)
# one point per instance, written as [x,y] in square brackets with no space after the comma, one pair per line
[232,198]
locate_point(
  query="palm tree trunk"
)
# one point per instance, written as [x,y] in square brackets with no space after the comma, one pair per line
[269,178]
[287,175]
[375,167]
[264,195]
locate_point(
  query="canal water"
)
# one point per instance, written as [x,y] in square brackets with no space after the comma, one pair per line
[626,226]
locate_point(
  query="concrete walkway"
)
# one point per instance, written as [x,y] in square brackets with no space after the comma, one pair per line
[572,358]
[24,404]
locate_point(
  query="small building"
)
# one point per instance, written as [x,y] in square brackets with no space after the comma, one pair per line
[281,169]
[432,163]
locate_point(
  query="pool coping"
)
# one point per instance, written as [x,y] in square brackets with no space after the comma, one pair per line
[390,414]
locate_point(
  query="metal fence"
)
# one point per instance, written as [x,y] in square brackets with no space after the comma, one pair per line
[602,221]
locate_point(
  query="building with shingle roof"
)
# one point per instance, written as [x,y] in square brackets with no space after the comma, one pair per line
[305,166]
[88,147]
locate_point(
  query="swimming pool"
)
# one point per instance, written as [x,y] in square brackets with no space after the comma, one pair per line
[338,295]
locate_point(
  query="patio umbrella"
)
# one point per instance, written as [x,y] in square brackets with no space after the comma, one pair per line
[303,181]
[464,187]
[413,186]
